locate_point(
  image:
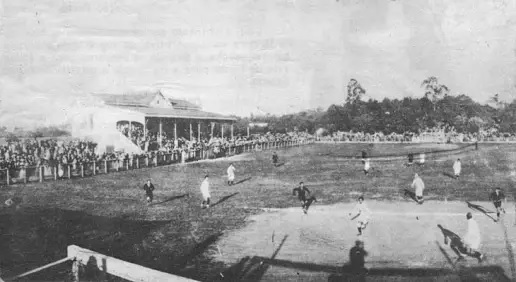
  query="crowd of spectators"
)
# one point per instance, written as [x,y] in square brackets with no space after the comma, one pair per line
[52,153]
[443,134]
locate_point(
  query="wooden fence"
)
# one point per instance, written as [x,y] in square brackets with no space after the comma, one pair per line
[87,169]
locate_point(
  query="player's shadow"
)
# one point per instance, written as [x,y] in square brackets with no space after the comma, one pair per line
[410,194]
[449,175]
[355,269]
[225,198]
[197,250]
[481,209]
[463,273]
[169,199]
[453,240]
[243,180]
[250,269]
[280,164]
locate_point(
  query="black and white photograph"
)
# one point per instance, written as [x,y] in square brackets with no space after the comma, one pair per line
[257,140]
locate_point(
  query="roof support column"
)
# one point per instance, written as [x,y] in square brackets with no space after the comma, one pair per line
[232,136]
[144,128]
[160,132]
[247,131]
[199,131]
[212,125]
[191,131]
[175,129]
[222,130]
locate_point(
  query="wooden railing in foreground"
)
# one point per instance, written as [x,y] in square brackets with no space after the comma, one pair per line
[106,265]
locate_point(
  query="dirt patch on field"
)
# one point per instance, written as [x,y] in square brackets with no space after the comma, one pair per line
[293,246]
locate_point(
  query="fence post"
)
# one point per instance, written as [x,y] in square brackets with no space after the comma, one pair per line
[156,160]
[40,174]
[118,165]
[105,167]
[82,170]
[75,270]
[69,172]
[146,161]
[25,175]
[55,172]
[8,177]
[94,168]
[127,164]
[137,162]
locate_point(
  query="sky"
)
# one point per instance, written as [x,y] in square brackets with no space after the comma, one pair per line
[248,56]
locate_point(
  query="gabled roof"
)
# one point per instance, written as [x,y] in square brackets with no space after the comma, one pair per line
[183,104]
[138,99]
[176,113]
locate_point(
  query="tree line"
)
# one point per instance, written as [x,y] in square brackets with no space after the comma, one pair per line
[435,107]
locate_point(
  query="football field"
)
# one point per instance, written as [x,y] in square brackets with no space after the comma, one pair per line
[256,231]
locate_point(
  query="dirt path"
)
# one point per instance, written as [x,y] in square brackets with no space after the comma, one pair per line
[294,246]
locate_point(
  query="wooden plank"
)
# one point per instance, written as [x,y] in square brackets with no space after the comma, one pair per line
[39,269]
[120,268]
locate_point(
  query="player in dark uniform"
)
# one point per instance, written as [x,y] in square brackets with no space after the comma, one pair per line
[149,188]
[303,194]
[275,159]
[497,196]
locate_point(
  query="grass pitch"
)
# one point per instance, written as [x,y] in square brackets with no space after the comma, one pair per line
[108,214]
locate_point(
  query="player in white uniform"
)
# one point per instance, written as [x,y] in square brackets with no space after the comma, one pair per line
[205,191]
[457,167]
[367,165]
[419,186]
[472,240]
[231,174]
[362,214]
[421,159]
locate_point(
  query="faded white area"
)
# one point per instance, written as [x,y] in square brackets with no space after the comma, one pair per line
[399,235]
[237,56]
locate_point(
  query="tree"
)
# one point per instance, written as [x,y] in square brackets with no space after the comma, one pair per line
[434,91]
[355,91]
[497,101]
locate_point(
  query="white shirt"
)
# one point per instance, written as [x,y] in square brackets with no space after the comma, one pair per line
[205,188]
[457,167]
[472,237]
[362,211]
[231,171]
[418,185]
[422,158]
[367,164]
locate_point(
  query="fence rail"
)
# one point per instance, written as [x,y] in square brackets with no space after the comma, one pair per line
[105,265]
[88,169]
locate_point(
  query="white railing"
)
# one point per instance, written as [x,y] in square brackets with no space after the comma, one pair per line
[106,265]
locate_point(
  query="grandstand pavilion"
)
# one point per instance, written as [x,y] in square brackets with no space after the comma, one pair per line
[162,114]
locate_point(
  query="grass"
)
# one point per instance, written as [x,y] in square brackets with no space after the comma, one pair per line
[108,214]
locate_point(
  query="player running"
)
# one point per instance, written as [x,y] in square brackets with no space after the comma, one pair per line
[472,240]
[362,214]
[205,191]
[457,167]
[367,165]
[303,194]
[231,174]
[421,161]
[497,196]
[275,159]
[419,186]
[149,188]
